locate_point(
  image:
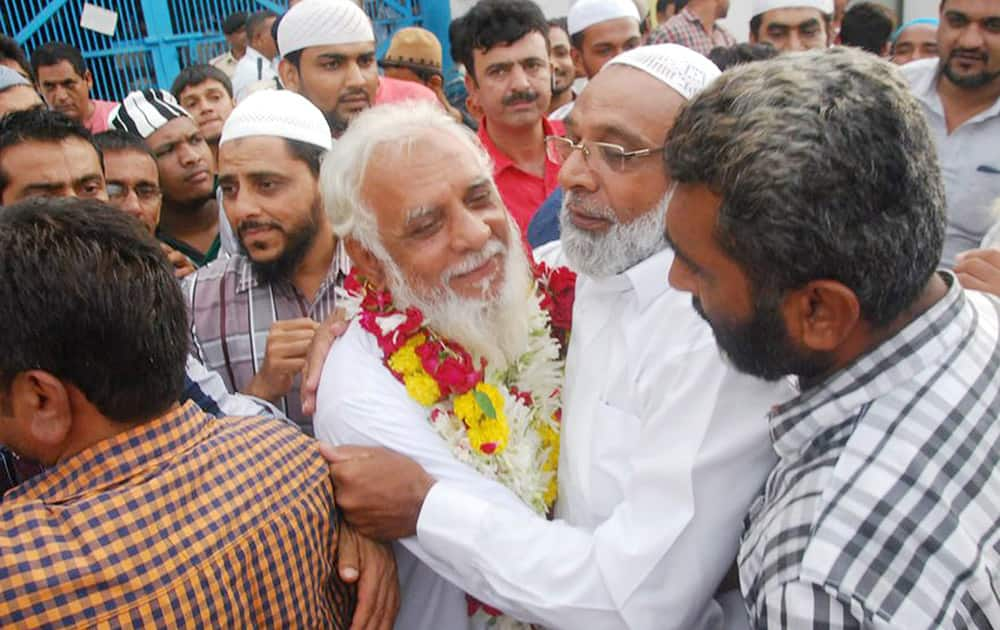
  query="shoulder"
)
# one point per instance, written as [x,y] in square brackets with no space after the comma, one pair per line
[219,270]
[919,72]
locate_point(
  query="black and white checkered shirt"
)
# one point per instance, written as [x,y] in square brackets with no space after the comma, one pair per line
[884,509]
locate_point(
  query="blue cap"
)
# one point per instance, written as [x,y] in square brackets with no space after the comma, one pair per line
[917,22]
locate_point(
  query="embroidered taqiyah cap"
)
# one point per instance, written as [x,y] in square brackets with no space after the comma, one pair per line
[585,13]
[9,78]
[279,113]
[681,68]
[143,112]
[414,47]
[762,6]
[323,23]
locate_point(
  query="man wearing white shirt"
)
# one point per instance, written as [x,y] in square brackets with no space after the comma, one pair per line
[258,68]
[660,456]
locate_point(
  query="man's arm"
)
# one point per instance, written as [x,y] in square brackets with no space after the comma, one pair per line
[655,562]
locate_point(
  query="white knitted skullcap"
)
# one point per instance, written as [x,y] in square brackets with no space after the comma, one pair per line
[585,13]
[681,68]
[9,78]
[761,6]
[323,23]
[279,113]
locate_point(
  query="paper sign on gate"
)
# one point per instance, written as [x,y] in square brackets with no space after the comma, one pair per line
[99,19]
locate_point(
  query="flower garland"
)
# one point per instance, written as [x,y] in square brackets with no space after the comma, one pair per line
[504,423]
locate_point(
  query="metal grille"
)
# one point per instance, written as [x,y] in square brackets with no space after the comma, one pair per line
[154,39]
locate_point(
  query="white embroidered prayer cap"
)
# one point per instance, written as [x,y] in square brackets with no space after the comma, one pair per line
[761,6]
[279,113]
[681,68]
[323,23]
[585,13]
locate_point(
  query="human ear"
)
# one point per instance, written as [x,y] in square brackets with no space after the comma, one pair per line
[368,265]
[41,401]
[822,314]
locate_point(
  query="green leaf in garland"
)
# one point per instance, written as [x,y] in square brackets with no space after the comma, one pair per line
[485,404]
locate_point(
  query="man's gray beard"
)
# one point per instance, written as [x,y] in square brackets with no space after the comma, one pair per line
[621,247]
[497,326]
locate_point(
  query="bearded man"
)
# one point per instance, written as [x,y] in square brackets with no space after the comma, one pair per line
[254,314]
[658,463]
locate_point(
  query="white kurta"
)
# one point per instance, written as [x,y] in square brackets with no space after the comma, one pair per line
[664,448]
[360,402]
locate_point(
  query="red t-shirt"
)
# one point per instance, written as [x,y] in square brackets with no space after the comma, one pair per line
[396,90]
[522,192]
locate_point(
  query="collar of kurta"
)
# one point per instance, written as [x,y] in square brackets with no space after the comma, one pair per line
[924,342]
[119,458]
[648,279]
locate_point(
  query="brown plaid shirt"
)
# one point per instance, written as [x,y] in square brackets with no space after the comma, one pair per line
[686,29]
[231,315]
[185,521]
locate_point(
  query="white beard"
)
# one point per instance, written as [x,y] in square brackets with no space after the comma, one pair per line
[496,326]
[622,247]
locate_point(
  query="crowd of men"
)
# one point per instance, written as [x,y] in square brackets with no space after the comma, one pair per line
[258,324]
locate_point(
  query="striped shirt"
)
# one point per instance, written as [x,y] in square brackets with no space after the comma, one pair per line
[686,29]
[884,508]
[185,521]
[232,311]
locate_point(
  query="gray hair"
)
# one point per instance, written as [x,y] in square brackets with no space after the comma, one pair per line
[386,127]
[826,169]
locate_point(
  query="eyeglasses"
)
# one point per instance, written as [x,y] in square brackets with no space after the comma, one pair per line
[615,157]
[144,192]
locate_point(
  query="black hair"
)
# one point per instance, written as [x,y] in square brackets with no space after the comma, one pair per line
[728,56]
[9,49]
[868,26]
[40,125]
[757,20]
[559,22]
[198,74]
[119,140]
[56,52]
[234,22]
[494,23]
[256,21]
[87,295]
[309,153]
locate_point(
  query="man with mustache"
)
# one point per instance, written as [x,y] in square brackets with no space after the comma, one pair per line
[504,47]
[658,462]
[960,94]
[189,218]
[254,314]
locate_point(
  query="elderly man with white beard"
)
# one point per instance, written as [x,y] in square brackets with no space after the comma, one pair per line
[660,453]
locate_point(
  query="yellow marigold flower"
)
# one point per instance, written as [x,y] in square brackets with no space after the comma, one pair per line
[489,436]
[467,409]
[405,360]
[422,388]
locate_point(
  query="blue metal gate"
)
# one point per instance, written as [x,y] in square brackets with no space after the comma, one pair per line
[154,39]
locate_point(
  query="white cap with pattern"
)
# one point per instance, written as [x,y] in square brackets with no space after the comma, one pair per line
[681,68]
[762,6]
[278,113]
[323,23]
[586,13]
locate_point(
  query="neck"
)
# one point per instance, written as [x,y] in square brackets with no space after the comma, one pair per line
[961,104]
[213,145]
[866,338]
[525,146]
[706,12]
[315,267]
[195,223]
[558,100]
[89,113]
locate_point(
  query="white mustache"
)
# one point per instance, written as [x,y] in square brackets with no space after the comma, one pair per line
[474,261]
